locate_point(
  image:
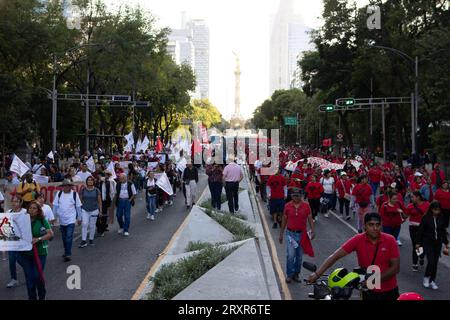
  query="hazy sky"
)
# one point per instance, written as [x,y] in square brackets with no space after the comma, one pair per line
[242,26]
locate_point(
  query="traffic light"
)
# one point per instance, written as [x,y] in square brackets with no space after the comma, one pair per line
[326,108]
[345,102]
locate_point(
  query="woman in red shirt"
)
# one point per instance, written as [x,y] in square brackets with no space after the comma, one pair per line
[391,215]
[314,191]
[442,195]
[415,211]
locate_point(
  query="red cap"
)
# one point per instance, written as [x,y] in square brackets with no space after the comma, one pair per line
[410,296]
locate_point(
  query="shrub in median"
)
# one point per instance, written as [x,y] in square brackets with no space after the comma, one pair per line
[173,278]
[239,230]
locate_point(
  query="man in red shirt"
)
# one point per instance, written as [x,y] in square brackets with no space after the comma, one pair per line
[277,192]
[296,213]
[362,194]
[314,191]
[372,247]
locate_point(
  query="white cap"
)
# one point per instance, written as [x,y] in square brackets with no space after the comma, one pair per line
[343,173]
[418,174]
[393,185]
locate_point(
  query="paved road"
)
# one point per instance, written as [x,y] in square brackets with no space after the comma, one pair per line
[115,266]
[332,232]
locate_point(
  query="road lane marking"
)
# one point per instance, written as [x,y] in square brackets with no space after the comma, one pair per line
[155,266]
[276,259]
[345,222]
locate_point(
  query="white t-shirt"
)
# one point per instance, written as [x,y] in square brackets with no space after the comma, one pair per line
[327,184]
[84,175]
[77,179]
[48,212]
[124,191]
[66,210]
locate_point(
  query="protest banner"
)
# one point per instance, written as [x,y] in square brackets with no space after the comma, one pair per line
[15,232]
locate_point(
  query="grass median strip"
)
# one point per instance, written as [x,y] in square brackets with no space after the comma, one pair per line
[173,278]
[239,230]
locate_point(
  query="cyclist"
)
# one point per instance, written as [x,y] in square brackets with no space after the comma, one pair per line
[372,247]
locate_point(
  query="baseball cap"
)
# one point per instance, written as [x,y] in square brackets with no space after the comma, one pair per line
[343,173]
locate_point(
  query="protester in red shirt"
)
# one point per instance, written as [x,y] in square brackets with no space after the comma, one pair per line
[375,178]
[314,191]
[276,185]
[415,211]
[442,195]
[417,182]
[296,213]
[392,215]
[344,187]
[362,193]
[372,247]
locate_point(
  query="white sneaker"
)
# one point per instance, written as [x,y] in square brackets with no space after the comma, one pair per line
[12,283]
[326,215]
[126,234]
[165,202]
[171,203]
[433,285]
[399,243]
[152,217]
[148,216]
[120,231]
[426,282]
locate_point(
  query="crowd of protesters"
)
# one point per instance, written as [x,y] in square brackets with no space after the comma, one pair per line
[412,193]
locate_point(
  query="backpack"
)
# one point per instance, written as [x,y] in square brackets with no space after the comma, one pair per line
[74,194]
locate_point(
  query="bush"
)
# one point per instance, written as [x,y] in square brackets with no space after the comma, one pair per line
[173,278]
[197,245]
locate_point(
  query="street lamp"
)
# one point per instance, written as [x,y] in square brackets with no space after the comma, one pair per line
[415,110]
[55,94]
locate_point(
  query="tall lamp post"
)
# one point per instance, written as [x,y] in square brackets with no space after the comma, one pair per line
[415,110]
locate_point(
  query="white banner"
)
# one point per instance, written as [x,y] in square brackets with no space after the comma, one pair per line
[18,166]
[162,158]
[40,179]
[138,145]
[290,166]
[164,183]
[15,232]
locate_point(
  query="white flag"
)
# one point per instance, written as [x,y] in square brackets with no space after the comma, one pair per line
[145,143]
[164,183]
[138,146]
[130,141]
[18,166]
[91,164]
[50,155]
[111,169]
[181,165]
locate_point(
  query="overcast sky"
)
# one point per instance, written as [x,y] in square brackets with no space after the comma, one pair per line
[242,26]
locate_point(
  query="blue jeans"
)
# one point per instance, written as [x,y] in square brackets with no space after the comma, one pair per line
[393,231]
[12,257]
[374,186]
[32,276]
[294,256]
[151,204]
[124,211]
[330,197]
[67,238]
[216,192]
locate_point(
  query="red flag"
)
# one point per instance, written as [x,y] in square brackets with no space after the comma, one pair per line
[38,264]
[306,244]
[159,145]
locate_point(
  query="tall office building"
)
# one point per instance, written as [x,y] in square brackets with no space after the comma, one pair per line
[288,39]
[193,43]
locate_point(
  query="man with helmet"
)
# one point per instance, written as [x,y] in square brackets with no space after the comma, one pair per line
[373,248]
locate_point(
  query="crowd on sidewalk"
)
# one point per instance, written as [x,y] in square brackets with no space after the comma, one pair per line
[108,191]
[364,191]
